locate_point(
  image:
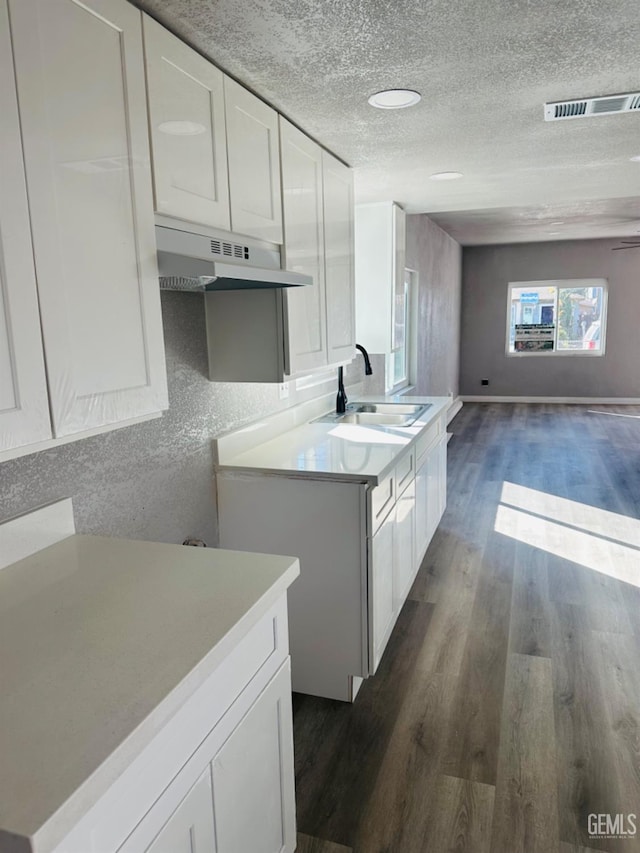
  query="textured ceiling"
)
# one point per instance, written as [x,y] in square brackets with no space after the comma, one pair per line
[484,69]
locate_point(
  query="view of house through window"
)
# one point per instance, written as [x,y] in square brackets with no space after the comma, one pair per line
[565,317]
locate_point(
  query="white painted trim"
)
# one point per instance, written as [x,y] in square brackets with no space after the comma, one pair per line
[454,408]
[602,401]
[24,535]
[26,449]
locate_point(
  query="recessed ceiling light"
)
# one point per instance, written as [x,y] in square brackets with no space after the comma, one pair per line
[635,159]
[182,128]
[394,99]
[446,176]
[559,222]
[553,233]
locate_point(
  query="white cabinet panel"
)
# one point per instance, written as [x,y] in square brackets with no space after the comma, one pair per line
[379,272]
[442,475]
[421,512]
[254,164]
[254,808]
[305,325]
[188,130]
[190,828]
[339,259]
[80,78]
[24,406]
[403,550]
[381,602]
[431,492]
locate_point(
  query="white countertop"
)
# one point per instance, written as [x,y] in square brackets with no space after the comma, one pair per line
[101,641]
[321,450]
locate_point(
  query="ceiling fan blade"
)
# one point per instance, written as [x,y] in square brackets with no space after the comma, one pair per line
[632,246]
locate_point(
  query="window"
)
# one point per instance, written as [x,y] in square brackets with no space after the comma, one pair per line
[398,364]
[566,317]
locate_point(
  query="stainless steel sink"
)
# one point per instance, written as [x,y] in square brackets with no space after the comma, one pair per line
[376,418]
[379,414]
[393,408]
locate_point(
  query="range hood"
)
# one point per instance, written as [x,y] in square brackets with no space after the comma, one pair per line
[214,261]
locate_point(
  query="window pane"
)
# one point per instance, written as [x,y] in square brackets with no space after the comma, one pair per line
[580,318]
[557,316]
[532,317]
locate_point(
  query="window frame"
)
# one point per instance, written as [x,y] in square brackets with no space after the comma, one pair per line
[559,284]
[409,286]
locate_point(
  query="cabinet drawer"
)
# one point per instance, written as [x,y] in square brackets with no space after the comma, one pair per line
[427,438]
[382,500]
[405,472]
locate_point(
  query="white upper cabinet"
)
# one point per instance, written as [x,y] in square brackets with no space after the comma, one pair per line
[339,259]
[188,130]
[305,325]
[254,164]
[379,272]
[81,94]
[24,407]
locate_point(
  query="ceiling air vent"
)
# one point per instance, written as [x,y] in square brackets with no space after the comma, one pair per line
[586,107]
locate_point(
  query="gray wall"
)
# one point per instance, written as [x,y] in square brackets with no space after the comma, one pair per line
[437,257]
[153,480]
[487,270]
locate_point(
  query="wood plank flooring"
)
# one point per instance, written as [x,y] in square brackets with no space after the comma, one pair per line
[506,708]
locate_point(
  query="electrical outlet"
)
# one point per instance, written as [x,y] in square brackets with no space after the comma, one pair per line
[484,381]
[283,390]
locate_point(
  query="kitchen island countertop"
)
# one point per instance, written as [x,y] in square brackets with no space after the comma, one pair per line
[101,642]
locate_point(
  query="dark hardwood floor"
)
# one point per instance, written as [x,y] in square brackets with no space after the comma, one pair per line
[506,708]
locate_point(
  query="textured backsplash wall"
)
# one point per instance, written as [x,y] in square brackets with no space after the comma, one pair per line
[154,480]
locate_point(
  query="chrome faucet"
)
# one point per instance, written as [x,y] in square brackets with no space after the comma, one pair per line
[341,399]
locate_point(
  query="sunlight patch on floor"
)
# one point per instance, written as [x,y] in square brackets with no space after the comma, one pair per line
[598,539]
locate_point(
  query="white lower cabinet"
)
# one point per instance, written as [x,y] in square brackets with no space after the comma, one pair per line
[190,828]
[359,550]
[383,609]
[431,494]
[218,776]
[404,567]
[253,789]
[244,799]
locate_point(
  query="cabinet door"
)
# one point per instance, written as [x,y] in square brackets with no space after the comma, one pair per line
[80,79]
[190,828]
[253,777]
[305,310]
[254,164]
[381,603]
[403,546]
[433,490]
[442,476]
[339,259]
[422,535]
[188,131]
[24,406]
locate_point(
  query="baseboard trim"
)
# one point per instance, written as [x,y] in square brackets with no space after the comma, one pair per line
[453,409]
[602,401]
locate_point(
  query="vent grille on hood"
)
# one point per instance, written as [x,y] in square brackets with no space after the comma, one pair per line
[587,107]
